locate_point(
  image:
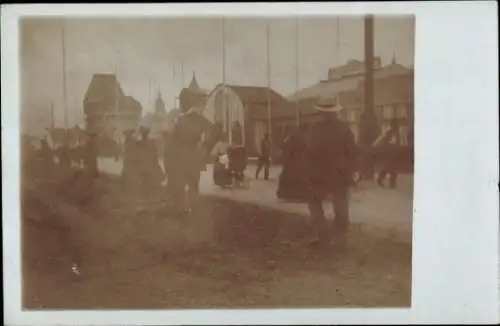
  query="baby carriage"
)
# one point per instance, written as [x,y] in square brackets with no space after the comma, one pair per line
[237,165]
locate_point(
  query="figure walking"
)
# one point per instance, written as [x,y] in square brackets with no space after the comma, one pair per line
[264,157]
[331,162]
[388,145]
[187,160]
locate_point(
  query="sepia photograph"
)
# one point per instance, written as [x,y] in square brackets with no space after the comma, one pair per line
[216,162]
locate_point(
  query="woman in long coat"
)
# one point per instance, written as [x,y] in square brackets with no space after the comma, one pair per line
[292,181]
[151,173]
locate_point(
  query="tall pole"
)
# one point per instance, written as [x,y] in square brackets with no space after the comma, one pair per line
[117,119]
[63,48]
[52,122]
[297,111]
[368,120]
[339,59]
[268,62]
[149,94]
[223,38]
[182,74]
[225,114]
[173,79]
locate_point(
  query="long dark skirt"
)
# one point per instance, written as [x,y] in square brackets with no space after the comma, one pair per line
[222,175]
[292,183]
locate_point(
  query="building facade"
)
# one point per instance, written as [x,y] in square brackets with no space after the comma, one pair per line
[109,112]
[243,113]
[107,109]
[393,94]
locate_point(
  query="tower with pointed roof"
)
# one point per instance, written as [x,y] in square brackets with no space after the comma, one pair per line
[192,95]
[193,85]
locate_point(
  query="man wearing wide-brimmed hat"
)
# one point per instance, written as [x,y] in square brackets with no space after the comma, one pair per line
[331,159]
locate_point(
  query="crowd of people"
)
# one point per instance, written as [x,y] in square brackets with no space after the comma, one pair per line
[327,164]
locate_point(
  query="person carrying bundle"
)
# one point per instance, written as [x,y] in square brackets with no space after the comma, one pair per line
[221,174]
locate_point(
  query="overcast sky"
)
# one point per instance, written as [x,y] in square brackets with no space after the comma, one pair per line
[148,50]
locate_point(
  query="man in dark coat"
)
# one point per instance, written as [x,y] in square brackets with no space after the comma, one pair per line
[264,157]
[188,158]
[388,145]
[331,160]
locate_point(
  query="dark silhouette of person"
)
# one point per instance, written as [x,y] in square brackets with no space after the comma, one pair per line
[389,145]
[331,162]
[151,173]
[188,160]
[264,157]
[292,180]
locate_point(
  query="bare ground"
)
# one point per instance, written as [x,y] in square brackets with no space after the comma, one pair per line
[230,255]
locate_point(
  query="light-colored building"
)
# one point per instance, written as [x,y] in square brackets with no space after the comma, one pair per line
[393,92]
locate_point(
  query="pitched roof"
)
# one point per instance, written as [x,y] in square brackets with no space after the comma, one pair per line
[255,99]
[325,88]
[103,87]
[257,94]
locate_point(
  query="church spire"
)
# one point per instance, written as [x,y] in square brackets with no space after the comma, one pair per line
[194,84]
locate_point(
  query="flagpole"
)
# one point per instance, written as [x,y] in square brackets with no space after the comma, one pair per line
[52,122]
[224,104]
[63,48]
[149,93]
[297,112]
[223,52]
[117,120]
[182,74]
[339,61]
[173,79]
[268,69]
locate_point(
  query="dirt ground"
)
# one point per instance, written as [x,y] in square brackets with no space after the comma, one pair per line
[229,255]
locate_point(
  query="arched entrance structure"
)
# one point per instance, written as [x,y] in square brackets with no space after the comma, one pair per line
[239,111]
